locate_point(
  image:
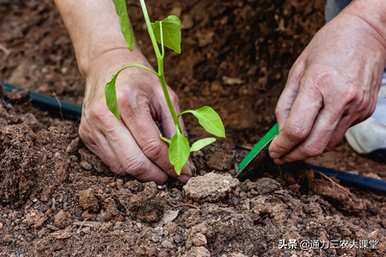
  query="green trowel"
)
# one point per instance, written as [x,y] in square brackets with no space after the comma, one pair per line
[244,165]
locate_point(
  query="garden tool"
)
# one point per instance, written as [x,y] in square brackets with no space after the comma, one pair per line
[258,159]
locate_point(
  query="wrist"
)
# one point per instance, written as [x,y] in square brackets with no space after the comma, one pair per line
[109,60]
[373,12]
[88,57]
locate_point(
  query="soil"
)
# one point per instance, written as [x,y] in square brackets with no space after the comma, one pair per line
[58,199]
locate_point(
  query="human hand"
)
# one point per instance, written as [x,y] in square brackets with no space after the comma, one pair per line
[332,85]
[131,146]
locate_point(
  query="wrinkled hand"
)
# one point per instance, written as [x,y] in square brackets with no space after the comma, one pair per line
[131,146]
[332,85]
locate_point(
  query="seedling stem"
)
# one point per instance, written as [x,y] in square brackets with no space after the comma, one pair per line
[160,64]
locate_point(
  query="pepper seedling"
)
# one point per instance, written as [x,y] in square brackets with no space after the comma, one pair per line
[165,33]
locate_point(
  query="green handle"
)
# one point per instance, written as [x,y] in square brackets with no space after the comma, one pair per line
[263,142]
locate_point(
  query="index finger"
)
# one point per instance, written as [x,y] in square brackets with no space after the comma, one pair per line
[300,120]
[147,135]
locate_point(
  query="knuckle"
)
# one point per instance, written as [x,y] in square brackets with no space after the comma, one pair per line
[371,108]
[83,132]
[323,79]
[312,150]
[127,105]
[101,116]
[135,104]
[99,113]
[278,111]
[352,94]
[278,148]
[134,166]
[152,148]
[363,108]
[122,99]
[116,169]
[295,132]
[296,70]
[128,109]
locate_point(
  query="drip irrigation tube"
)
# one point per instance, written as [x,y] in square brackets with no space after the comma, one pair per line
[74,111]
[366,183]
[48,103]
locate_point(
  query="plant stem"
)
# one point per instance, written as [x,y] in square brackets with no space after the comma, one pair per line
[160,66]
[168,99]
[150,29]
[162,39]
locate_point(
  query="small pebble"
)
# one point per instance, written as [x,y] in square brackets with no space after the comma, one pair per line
[199,240]
[73,146]
[62,219]
[85,165]
[88,200]
[198,252]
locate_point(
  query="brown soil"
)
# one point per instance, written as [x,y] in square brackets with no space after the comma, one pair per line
[57,199]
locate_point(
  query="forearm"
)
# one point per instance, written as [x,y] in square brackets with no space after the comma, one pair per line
[372,12]
[94,29]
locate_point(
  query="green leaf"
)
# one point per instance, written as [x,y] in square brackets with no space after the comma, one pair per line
[257,148]
[127,30]
[111,96]
[111,90]
[171,30]
[199,144]
[209,120]
[179,151]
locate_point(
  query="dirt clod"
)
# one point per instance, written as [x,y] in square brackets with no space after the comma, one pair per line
[199,240]
[149,212]
[199,251]
[85,165]
[266,185]
[61,234]
[221,157]
[23,162]
[88,201]
[210,187]
[35,219]
[220,161]
[62,219]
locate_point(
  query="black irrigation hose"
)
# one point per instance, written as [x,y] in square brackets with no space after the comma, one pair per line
[48,103]
[366,183]
[74,111]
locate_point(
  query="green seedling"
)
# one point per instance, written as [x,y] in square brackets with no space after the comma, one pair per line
[163,34]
